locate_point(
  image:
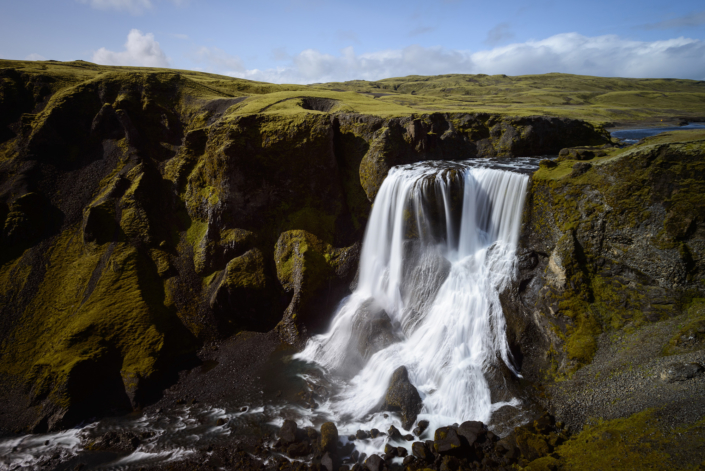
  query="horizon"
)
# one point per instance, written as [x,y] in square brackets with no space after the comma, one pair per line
[321,41]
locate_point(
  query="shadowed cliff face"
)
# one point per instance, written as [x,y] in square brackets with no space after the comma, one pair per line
[141,221]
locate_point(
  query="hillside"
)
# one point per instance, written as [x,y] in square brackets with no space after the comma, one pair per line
[596,99]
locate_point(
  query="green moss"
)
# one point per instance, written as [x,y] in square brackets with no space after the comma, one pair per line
[195,232]
[635,442]
[91,305]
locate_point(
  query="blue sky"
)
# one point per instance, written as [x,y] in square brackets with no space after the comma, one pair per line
[306,41]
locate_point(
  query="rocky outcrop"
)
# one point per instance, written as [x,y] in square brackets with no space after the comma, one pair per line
[611,247]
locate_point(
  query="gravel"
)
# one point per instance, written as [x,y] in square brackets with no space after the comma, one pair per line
[625,378]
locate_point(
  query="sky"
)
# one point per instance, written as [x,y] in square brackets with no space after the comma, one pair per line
[309,41]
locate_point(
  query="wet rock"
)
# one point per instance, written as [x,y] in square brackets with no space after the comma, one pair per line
[401,451]
[374,463]
[403,396]
[446,441]
[394,433]
[287,432]
[373,329]
[374,433]
[220,422]
[681,372]
[421,427]
[471,431]
[116,442]
[408,437]
[311,433]
[362,435]
[297,450]
[390,450]
[329,437]
[421,451]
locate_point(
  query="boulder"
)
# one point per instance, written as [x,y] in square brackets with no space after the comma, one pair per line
[580,168]
[446,441]
[394,433]
[287,432]
[374,463]
[329,437]
[421,427]
[402,396]
[681,372]
[471,431]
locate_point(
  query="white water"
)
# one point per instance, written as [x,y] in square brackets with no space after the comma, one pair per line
[438,287]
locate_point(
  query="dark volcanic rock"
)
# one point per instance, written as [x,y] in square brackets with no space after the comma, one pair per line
[403,396]
[329,437]
[374,463]
[421,427]
[287,432]
[446,441]
[471,431]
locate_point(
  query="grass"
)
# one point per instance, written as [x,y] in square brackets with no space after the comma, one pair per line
[596,99]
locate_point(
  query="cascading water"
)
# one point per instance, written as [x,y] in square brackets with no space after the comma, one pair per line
[439,246]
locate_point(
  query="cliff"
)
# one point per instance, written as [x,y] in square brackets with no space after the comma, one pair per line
[147,214]
[606,317]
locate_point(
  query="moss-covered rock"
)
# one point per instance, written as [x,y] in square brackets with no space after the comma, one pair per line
[306,267]
[614,246]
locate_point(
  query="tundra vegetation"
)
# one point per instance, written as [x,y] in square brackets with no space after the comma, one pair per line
[149,214]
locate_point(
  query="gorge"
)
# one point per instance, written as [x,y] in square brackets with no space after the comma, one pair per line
[190,262]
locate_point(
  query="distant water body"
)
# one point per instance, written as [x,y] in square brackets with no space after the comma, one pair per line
[633,135]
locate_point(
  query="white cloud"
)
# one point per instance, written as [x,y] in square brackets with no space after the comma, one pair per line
[219,60]
[35,57]
[140,50]
[568,53]
[136,7]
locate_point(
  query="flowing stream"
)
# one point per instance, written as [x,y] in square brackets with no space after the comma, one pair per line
[439,246]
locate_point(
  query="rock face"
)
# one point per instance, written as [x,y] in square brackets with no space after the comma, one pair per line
[403,396]
[618,244]
[139,220]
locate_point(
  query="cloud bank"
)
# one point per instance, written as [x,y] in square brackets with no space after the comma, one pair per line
[572,53]
[140,50]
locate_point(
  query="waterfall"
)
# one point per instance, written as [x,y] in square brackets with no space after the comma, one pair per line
[440,244]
